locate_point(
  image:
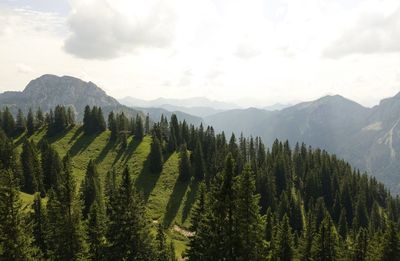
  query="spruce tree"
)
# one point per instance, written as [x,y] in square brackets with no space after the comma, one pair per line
[128,235]
[284,241]
[39,118]
[184,165]
[162,249]
[39,224]
[8,122]
[31,169]
[249,223]
[30,122]
[391,244]
[325,242]
[91,190]
[155,157]
[15,232]
[20,124]
[96,232]
[139,129]
[198,163]
[66,235]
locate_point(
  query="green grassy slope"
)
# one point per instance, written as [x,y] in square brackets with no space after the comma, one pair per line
[168,200]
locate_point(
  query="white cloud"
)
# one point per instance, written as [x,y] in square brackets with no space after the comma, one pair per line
[107,29]
[373,33]
[23,68]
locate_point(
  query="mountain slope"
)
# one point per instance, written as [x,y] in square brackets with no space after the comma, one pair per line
[369,138]
[49,91]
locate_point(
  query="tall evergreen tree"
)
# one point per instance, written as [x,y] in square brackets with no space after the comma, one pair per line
[199,167]
[66,235]
[128,234]
[96,232]
[284,241]
[91,190]
[155,157]
[249,223]
[15,234]
[39,224]
[139,129]
[30,122]
[184,165]
[31,169]
[8,122]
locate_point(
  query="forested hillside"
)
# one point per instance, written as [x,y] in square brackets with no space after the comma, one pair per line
[120,189]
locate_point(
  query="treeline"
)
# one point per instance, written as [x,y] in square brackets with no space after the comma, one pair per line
[253,203]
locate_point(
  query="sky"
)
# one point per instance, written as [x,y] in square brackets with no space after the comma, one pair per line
[254,53]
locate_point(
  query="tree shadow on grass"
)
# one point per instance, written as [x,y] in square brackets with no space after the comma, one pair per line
[81,144]
[130,149]
[110,144]
[146,181]
[76,134]
[190,199]
[174,202]
[58,136]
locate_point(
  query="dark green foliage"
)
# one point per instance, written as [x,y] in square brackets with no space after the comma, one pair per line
[163,250]
[113,126]
[31,169]
[66,236]
[156,157]
[198,163]
[139,129]
[391,244]
[96,232]
[325,243]
[283,245]
[20,124]
[51,166]
[184,165]
[128,233]
[8,122]
[91,191]
[39,225]
[15,234]
[30,122]
[93,120]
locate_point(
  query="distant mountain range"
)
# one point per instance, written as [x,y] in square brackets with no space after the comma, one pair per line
[369,138]
[198,106]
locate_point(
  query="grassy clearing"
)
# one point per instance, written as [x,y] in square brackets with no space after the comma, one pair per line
[168,200]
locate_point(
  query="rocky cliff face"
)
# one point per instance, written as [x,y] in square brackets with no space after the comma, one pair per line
[49,91]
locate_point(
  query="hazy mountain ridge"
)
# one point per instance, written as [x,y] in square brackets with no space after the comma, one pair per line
[369,138]
[197,106]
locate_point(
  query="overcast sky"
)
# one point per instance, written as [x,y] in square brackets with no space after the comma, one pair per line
[252,52]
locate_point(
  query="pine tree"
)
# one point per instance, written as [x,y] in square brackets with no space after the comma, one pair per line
[198,163]
[249,222]
[128,234]
[91,190]
[325,242]
[8,123]
[31,169]
[112,126]
[184,165]
[30,122]
[66,235]
[39,118]
[15,233]
[147,125]
[51,166]
[96,232]
[87,120]
[139,130]
[39,223]
[155,157]
[391,244]
[163,251]
[284,241]
[20,124]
